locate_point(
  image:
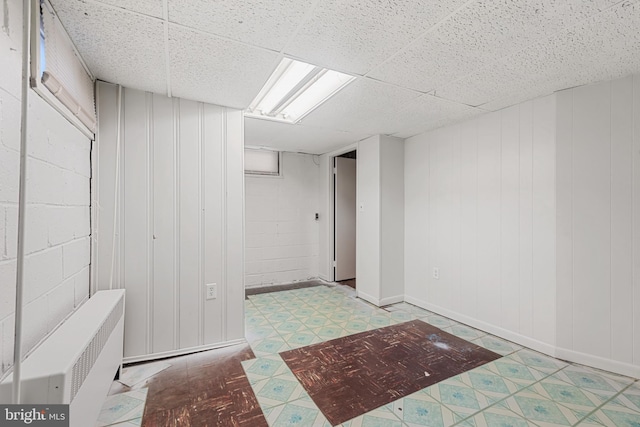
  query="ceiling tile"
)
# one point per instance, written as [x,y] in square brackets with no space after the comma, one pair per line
[289,137]
[600,48]
[361,107]
[146,7]
[207,68]
[118,46]
[430,112]
[263,23]
[480,34]
[356,35]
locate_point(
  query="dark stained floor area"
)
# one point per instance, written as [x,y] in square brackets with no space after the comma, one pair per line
[350,282]
[349,376]
[205,389]
[278,288]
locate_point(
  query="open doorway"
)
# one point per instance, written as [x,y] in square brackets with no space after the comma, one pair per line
[344,218]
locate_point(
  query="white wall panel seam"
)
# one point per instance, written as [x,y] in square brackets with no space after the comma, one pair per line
[150,221]
[573,222]
[176,293]
[225,213]
[200,224]
[611,331]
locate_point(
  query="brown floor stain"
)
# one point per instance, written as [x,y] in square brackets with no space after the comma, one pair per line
[349,376]
[204,389]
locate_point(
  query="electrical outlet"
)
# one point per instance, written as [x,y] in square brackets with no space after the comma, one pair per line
[212,291]
[436,273]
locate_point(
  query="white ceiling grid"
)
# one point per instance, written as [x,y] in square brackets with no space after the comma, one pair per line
[484,53]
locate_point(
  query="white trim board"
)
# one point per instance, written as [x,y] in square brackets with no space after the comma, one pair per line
[531,343]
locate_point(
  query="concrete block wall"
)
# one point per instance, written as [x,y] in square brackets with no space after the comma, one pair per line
[282,235]
[58,228]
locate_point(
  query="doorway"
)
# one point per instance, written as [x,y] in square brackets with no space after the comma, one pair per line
[344,218]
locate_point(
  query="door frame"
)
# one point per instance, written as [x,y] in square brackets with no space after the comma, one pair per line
[329,212]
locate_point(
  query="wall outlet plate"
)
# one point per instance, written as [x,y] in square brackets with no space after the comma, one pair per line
[436,273]
[212,291]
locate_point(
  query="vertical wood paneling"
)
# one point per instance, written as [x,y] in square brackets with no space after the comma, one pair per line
[455,237]
[234,224]
[591,221]
[525,254]
[489,300]
[214,216]
[621,219]
[564,219]
[135,233]
[469,217]
[416,248]
[544,219]
[164,224]
[181,180]
[510,217]
[106,182]
[636,220]
[189,203]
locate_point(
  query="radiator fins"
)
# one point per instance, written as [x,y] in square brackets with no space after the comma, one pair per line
[87,359]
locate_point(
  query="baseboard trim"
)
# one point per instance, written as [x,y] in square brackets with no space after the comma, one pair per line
[548,349]
[391,300]
[615,366]
[181,352]
[368,298]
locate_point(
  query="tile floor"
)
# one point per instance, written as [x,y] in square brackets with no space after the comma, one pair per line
[522,388]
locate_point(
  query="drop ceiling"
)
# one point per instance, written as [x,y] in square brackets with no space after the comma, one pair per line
[419,64]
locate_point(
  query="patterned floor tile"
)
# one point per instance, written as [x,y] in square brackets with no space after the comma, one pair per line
[596,381]
[280,316]
[614,415]
[136,422]
[380,417]
[301,413]
[122,407]
[315,321]
[497,345]
[580,401]
[420,409]
[402,316]
[492,385]
[301,339]
[540,410]
[329,332]
[629,398]
[268,346]
[464,332]
[459,397]
[288,326]
[439,321]
[261,368]
[520,374]
[277,390]
[496,416]
[304,312]
[133,375]
[257,333]
[538,361]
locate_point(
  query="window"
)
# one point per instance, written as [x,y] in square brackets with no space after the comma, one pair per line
[58,73]
[261,162]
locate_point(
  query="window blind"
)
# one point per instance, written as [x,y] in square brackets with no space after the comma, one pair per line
[63,73]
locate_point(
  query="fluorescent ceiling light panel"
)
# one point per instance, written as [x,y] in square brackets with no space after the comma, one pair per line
[294,90]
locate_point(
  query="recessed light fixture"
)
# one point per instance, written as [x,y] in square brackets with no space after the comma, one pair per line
[294,90]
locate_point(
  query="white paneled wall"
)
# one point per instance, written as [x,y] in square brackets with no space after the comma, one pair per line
[380,220]
[57,228]
[598,242]
[480,207]
[282,235]
[179,222]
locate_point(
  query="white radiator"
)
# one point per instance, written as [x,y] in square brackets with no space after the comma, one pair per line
[77,363]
